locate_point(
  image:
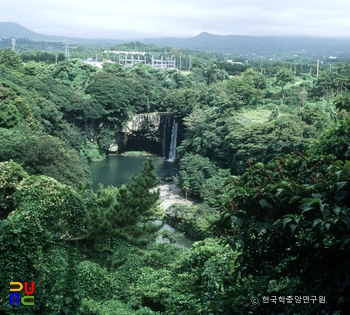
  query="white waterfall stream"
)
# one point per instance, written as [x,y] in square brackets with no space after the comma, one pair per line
[172,151]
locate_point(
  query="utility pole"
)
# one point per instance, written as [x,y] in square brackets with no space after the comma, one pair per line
[318,67]
[13,42]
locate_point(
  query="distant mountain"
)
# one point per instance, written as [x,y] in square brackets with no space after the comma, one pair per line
[203,41]
[228,44]
[10,29]
[235,44]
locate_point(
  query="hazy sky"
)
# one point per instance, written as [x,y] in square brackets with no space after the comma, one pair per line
[132,19]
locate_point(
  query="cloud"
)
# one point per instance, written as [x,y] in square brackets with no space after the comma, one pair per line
[159,18]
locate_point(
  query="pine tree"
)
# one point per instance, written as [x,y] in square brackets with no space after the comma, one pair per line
[136,199]
[125,211]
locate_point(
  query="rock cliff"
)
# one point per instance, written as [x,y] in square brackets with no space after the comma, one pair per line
[146,126]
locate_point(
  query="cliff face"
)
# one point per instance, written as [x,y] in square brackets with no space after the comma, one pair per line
[146,127]
[149,132]
[145,132]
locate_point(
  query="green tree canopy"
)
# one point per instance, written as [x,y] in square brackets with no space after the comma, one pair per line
[124,211]
[294,212]
[247,88]
[11,174]
[10,60]
[40,153]
[282,77]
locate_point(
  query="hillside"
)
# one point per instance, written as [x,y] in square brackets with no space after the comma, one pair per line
[15,30]
[234,44]
[10,29]
[228,44]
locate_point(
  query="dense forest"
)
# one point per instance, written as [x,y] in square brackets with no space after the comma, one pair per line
[264,152]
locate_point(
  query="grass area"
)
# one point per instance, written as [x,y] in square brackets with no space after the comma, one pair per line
[254,116]
[185,72]
[137,153]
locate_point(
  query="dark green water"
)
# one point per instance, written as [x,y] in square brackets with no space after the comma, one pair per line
[117,170]
[182,239]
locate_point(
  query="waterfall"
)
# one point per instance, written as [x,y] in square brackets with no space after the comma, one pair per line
[164,137]
[172,152]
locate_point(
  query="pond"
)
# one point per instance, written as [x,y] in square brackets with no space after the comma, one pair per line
[181,238]
[117,170]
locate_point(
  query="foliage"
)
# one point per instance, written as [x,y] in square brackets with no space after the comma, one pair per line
[141,278]
[94,281]
[60,96]
[194,170]
[247,89]
[60,209]
[41,56]
[180,102]
[263,142]
[281,228]
[125,211]
[196,221]
[118,96]
[212,187]
[318,114]
[9,116]
[40,153]
[8,74]
[74,73]
[91,152]
[10,60]
[210,281]
[11,174]
[334,141]
[282,77]
[207,73]
[297,208]
[343,103]
[205,133]
[112,307]
[105,137]
[46,212]
[341,78]
[16,106]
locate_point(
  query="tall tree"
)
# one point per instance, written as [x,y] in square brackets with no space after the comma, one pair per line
[10,59]
[124,211]
[283,77]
